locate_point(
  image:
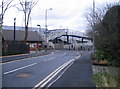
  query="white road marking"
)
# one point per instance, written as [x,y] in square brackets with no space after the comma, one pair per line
[25,59]
[50,59]
[19,68]
[63,72]
[77,57]
[59,75]
[64,54]
[48,54]
[15,61]
[52,75]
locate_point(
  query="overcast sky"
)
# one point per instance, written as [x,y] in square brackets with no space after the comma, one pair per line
[65,14]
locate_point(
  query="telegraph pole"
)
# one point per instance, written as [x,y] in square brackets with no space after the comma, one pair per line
[93,26]
[46,13]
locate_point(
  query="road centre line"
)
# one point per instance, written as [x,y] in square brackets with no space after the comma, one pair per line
[19,68]
[59,75]
[72,61]
[53,74]
[61,67]
[16,61]
[25,59]
[49,59]
[64,54]
[48,54]
[26,66]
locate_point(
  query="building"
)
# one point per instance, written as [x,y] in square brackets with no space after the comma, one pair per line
[74,42]
[46,36]
[33,40]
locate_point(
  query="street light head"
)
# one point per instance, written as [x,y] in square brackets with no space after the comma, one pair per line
[50,9]
[14,18]
[38,25]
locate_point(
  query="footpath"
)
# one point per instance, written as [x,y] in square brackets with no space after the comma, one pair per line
[22,56]
[79,75]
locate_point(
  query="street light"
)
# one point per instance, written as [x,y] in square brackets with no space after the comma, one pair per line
[39,31]
[14,34]
[14,28]
[46,21]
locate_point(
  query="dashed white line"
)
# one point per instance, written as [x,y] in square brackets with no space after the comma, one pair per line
[19,68]
[64,54]
[26,66]
[50,59]
[25,59]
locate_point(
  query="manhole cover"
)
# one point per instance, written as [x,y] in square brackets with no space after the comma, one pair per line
[23,75]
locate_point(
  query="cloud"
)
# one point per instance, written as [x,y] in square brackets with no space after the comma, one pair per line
[65,13]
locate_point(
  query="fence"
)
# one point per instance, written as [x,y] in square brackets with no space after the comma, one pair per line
[15,48]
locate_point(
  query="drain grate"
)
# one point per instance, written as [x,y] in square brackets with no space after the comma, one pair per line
[23,75]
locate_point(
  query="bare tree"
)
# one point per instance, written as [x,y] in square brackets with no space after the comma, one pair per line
[5,5]
[26,7]
[98,14]
[98,17]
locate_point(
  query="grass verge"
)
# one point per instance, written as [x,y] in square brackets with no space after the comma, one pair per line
[107,77]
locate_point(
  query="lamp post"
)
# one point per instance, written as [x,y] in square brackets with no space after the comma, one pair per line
[46,11]
[14,37]
[14,27]
[39,31]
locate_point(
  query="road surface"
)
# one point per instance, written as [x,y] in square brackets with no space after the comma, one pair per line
[37,71]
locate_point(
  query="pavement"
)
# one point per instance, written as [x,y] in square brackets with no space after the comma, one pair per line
[23,56]
[79,75]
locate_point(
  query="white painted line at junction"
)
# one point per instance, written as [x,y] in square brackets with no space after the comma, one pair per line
[19,68]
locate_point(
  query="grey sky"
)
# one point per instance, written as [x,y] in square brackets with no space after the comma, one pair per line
[65,14]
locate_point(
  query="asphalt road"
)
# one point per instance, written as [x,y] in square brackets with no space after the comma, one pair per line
[79,75]
[37,71]
[22,56]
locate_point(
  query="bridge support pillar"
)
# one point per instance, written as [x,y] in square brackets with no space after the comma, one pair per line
[67,39]
[82,40]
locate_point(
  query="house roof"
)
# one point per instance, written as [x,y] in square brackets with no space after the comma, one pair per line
[20,35]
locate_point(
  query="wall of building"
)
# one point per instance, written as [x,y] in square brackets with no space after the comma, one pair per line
[59,45]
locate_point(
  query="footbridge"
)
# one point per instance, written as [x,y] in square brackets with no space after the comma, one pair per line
[68,38]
